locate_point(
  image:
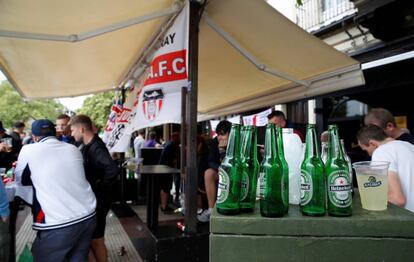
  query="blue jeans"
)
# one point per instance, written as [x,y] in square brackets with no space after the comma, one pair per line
[71,243]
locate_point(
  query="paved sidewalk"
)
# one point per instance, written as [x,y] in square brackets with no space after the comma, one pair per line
[115,238]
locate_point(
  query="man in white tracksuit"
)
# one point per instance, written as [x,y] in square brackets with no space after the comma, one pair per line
[63,202]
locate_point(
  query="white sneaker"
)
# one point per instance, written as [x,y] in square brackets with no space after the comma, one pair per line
[204,216]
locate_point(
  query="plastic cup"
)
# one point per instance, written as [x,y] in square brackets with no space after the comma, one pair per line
[8,143]
[3,175]
[372,177]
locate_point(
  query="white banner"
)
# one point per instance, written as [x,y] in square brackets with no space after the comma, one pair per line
[158,100]
[259,119]
[116,111]
[118,137]
[234,120]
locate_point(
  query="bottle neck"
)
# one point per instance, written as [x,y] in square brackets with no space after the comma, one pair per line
[246,144]
[280,150]
[249,145]
[334,145]
[311,149]
[270,142]
[253,148]
[234,142]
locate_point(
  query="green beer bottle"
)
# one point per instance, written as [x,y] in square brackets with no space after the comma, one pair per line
[243,131]
[271,178]
[312,180]
[285,168]
[228,193]
[338,180]
[250,168]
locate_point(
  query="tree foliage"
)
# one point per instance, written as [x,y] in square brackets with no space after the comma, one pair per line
[97,107]
[14,108]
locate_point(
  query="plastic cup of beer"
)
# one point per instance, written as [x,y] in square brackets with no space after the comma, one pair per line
[3,175]
[8,143]
[372,177]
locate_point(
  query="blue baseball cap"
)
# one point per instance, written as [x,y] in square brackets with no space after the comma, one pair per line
[43,127]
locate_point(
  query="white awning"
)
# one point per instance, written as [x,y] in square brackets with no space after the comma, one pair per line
[250,55]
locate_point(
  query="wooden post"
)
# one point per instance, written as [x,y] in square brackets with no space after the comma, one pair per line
[183,132]
[190,215]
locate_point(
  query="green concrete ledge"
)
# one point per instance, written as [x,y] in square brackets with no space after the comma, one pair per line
[395,222]
[224,248]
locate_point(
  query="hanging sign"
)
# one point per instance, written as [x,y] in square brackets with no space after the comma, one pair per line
[259,119]
[157,101]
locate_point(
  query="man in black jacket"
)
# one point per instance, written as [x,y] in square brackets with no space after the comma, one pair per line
[7,157]
[101,171]
[16,134]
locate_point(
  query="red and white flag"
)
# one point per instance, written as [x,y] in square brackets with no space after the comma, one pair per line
[158,99]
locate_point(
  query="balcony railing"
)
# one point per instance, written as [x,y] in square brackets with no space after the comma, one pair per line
[315,14]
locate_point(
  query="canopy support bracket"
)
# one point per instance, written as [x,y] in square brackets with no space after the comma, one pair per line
[249,56]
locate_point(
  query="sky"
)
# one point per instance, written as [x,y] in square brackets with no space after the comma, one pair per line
[71,103]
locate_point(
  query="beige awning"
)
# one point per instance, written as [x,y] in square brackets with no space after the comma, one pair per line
[60,68]
[250,55]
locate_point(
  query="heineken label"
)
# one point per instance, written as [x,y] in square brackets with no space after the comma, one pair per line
[372,182]
[306,188]
[339,189]
[262,184]
[223,186]
[245,184]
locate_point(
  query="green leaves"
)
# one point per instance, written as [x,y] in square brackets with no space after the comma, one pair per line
[14,108]
[97,107]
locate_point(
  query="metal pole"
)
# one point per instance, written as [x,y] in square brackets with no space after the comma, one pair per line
[183,132]
[122,199]
[190,215]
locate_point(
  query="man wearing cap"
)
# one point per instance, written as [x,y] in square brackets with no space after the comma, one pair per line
[63,203]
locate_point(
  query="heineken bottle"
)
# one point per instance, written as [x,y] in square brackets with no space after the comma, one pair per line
[348,160]
[228,193]
[271,178]
[250,168]
[243,131]
[338,180]
[312,180]
[285,168]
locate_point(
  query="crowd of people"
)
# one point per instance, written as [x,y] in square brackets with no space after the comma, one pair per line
[66,174]
[380,138]
[379,129]
[384,141]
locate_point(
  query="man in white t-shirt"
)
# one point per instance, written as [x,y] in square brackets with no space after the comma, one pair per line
[139,143]
[400,155]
